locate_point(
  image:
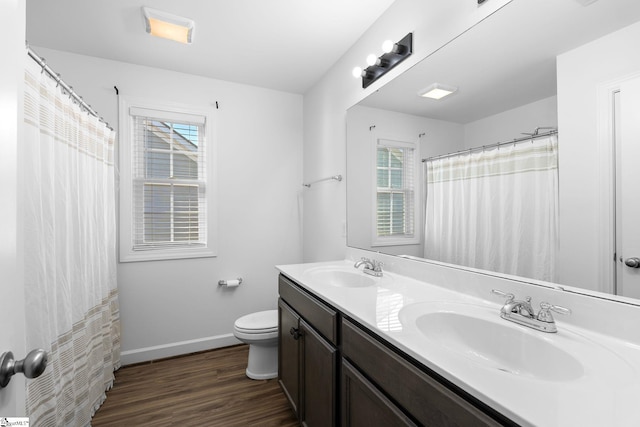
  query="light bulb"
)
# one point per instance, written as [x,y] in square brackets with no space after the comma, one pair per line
[387,46]
[371,59]
[357,72]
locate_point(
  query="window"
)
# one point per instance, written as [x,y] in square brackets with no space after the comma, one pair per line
[166,188]
[395,202]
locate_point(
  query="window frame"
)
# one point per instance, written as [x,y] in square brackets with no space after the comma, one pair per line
[126,181]
[395,240]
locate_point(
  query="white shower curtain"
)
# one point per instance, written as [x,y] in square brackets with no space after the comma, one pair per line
[496,209]
[70,254]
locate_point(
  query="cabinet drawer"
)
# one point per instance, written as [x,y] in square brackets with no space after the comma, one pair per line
[323,318]
[426,399]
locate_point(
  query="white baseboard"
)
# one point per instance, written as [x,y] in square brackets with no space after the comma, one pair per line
[176,349]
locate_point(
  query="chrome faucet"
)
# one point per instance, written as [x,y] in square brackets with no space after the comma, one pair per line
[371,266]
[522,313]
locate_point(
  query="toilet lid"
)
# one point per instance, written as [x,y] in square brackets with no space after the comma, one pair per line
[262,321]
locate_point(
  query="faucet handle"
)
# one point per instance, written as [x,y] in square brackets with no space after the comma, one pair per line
[377,265]
[508,296]
[545,311]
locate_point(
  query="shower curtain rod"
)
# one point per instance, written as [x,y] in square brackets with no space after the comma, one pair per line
[55,76]
[530,137]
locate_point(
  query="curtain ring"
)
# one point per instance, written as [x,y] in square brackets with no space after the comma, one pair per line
[58,79]
[43,65]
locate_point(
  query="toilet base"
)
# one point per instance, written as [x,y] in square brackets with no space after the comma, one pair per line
[263,361]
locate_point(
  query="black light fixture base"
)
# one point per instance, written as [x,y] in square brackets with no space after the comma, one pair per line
[403,49]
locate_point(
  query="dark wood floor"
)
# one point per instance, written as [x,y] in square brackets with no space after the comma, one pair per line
[202,389]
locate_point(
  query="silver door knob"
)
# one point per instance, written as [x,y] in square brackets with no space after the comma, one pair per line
[31,366]
[632,262]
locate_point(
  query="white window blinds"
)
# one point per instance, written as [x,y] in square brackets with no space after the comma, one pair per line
[169,175]
[395,194]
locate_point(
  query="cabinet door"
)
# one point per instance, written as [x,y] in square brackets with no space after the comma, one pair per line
[319,362]
[364,405]
[289,354]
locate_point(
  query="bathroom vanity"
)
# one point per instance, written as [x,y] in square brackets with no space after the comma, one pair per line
[313,369]
[401,350]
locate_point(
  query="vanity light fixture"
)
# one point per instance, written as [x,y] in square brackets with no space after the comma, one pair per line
[437,91]
[394,53]
[167,25]
[388,46]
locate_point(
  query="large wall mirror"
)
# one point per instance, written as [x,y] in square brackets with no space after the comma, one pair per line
[544,87]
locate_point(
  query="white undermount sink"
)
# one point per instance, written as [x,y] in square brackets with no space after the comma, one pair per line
[340,277]
[479,334]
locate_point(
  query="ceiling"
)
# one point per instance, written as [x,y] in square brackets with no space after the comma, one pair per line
[285,45]
[506,61]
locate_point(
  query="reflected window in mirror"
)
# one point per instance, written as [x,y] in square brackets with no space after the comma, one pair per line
[395,193]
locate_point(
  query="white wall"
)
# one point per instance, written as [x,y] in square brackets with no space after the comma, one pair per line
[510,124]
[173,307]
[439,137]
[580,73]
[433,22]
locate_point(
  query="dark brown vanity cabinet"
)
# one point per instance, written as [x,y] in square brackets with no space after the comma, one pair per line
[308,357]
[336,372]
[392,378]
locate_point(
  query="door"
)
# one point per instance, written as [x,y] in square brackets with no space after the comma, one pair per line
[289,354]
[363,405]
[318,369]
[627,126]
[12,34]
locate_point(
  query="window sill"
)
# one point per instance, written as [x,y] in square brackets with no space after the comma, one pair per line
[167,254]
[396,241]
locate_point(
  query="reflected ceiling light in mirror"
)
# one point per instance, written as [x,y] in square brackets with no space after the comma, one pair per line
[394,53]
[167,25]
[437,91]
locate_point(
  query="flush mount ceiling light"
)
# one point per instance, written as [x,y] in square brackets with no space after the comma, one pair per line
[437,91]
[167,25]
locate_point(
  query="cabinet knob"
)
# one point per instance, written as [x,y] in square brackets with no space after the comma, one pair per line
[295,333]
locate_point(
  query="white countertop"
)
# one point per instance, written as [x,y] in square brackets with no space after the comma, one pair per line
[607,393]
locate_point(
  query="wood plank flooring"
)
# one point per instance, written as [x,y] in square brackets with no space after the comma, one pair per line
[201,389]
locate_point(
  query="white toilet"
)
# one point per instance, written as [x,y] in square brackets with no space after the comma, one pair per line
[260,331]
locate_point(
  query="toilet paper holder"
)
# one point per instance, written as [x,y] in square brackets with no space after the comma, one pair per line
[226,282]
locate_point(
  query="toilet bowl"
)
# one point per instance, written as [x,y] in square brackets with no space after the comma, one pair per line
[260,331]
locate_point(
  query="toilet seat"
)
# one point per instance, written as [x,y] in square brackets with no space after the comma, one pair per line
[258,323]
[256,331]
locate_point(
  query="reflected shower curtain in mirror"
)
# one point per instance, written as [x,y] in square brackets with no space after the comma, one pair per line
[495,209]
[71,294]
